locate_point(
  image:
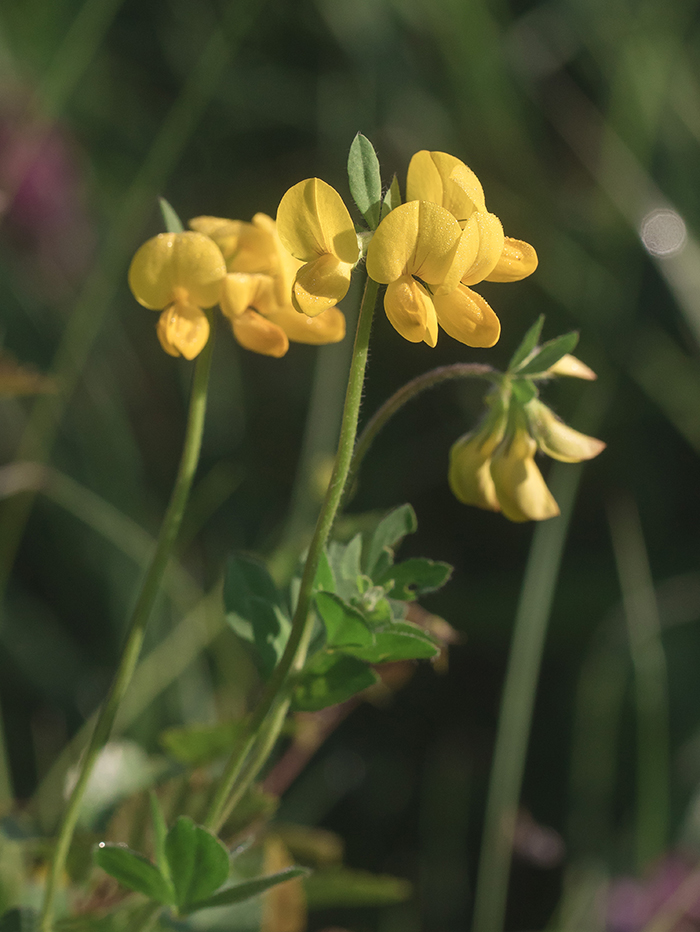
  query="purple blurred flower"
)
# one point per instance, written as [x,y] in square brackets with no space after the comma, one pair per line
[673,885]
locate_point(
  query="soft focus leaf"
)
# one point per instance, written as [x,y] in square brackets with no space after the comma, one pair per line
[365,179]
[160,833]
[172,222]
[198,862]
[528,343]
[415,577]
[244,891]
[325,578]
[344,624]
[524,390]
[340,886]
[329,679]
[134,871]
[196,745]
[392,198]
[391,530]
[400,641]
[549,353]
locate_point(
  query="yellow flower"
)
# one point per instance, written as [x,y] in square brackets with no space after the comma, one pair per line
[420,252]
[470,464]
[179,273]
[315,227]
[521,491]
[557,439]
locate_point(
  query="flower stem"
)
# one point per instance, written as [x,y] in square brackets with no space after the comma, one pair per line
[460,370]
[137,627]
[295,652]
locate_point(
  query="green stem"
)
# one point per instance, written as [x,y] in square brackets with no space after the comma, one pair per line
[302,623]
[137,627]
[460,370]
[517,705]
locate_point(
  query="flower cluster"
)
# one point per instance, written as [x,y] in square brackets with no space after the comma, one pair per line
[494,466]
[427,251]
[240,266]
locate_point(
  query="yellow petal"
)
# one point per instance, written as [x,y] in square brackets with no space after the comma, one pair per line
[241,291]
[171,263]
[557,439]
[286,266]
[326,327]
[522,492]
[320,284]
[445,180]
[464,257]
[470,460]
[183,330]
[570,366]
[410,310]
[225,233]
[418,238]
[491,240]
[467,317]
[256,333]
[313,220]
[518,260]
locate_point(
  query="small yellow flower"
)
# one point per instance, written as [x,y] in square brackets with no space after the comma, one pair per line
[420,252]
[521,491]
[315,227]
[179,273]
[557,439]
[470,464]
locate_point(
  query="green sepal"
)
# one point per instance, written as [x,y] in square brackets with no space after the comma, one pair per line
[244,891]
[172,222]
[414,578]
[344,624]
[527,344]
[196,745]
[134,871]
[391,530]
[400,640]
[549,353]
[340,886]
[364,177]
[198,862]
[392,198]
[328,679]
[524,390]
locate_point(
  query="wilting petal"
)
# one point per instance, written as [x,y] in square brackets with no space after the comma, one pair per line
[171,262]
[326,327]
[522,492]
[320,284]
[445,180]
[240,291]
[557,439]
[260,335]
[467,317]
[312,220]
[183,330]
[418,238]
[518,260]
[470,460]
[410,310]
[570,366]
[491,240]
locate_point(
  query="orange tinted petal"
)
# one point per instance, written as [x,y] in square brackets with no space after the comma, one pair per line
[260,335]
[467,317]
[517,261]
[410,310]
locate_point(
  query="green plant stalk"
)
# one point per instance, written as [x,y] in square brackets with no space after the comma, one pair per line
[137,627]
[517,704]
[459,370]
[295,652]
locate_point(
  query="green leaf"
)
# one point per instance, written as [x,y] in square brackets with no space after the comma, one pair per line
[365,179]
[344,624]
[160,832]
[399,641]
[325,578]
[528,343]
[196,745]
[549,353]
[172,222]
[345,563]
[244,891]
[329,679]
[247,578]
[415,577]
[392,198]
[19,920]
[340,886]
[388,534]
[198,862]
[524,390]
[134,871]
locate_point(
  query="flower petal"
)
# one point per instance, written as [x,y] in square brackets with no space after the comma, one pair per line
[467,317]
[517,261]
[312,220]
[418,238]
[186,261]
[326,327]
[491,240]
[320,284]
[572,367]
[241,291]
[183,330]
[557,439]
[470,461]
[522,492]
[445,180]
[410,310]
[464,257]
[260,335]
[286,266]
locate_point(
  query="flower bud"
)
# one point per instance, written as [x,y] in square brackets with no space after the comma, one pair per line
[557,439]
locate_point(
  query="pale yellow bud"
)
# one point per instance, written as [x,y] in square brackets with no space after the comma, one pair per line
[570,366]
[557,439]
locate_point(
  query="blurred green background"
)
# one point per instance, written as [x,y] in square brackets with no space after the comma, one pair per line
[582,119]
